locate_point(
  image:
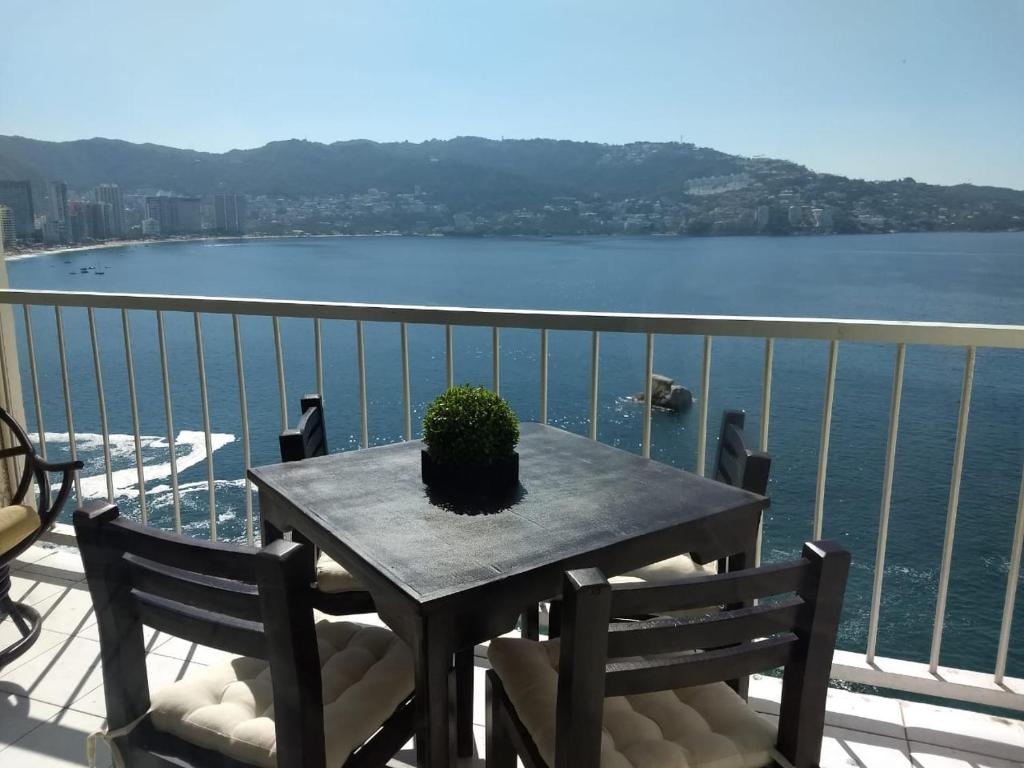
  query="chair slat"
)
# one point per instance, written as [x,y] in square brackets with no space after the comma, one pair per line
[660,673]
[667,634]
[199,626]
[639,599]
[224,561]
[237,599]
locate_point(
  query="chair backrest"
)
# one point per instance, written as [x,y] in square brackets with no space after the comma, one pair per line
[735,463]
[309,438]
[250,602]
[796,629]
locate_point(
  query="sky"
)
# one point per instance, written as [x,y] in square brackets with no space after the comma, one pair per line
[932,89]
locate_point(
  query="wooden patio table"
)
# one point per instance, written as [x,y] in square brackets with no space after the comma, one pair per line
[446,576]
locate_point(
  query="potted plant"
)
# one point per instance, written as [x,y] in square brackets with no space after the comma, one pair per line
[470,435]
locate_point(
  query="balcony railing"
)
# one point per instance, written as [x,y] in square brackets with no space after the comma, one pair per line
[994,688]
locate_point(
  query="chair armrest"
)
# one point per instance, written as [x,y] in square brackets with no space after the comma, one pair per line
[48,514]
[53,466]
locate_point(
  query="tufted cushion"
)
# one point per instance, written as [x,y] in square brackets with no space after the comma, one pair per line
[366,673]
[679,567]
[331,577]
[17,523]
[706,726]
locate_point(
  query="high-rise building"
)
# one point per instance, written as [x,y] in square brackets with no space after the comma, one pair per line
[79,221]
[57,194]
[229,213]
[89,220]
[17,195]
[175,215]
[6,226]
[111,194]
[100,217]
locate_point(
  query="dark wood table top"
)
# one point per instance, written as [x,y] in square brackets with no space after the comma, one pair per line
[575,496]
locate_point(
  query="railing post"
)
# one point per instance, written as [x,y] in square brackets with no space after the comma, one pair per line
[954,503]
[11,397]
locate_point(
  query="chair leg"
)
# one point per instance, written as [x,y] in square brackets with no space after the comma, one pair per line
[464,702]
[28,622]
[554,618]
[500,752]
[529,623]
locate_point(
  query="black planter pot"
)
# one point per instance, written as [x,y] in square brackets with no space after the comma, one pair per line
[477,479]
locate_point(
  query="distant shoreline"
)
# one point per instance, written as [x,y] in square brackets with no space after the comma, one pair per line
[18,256]
[56,251]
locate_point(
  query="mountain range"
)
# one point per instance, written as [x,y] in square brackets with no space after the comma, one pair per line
[676,186]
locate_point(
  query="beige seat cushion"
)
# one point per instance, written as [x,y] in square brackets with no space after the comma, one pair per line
[331,577]
[366,673]
[17,523]
[678,567]
[707,726]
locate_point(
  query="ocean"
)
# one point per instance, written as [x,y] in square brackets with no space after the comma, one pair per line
[942,277]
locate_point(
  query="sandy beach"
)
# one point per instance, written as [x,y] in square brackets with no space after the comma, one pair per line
[197,238]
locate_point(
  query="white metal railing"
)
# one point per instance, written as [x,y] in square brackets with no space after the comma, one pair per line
[994,689]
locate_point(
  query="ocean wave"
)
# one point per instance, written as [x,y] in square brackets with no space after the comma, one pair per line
[190,450]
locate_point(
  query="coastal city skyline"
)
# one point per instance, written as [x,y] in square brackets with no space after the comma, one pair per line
[100,190]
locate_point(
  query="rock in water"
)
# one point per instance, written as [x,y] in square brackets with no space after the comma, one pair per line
[679,398]
[667,395]
[661,388]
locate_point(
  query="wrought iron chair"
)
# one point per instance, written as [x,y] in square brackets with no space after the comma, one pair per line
[21,523]
[333,693]
[735,464]
[651,692]
[337,591]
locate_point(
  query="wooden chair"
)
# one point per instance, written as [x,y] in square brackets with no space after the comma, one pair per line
[650,693]
[735,464]
[337,591]
[331,694]
[21,524]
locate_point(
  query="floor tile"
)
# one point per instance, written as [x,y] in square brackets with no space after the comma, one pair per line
[33,554]
[60,675]
[57,743]
[844,709]
[479,695]
[161,670]
[931,756]
[69,611]
[31,588]
[60,563]
[179,648]
[43,644]
[19,715]
[406,757]
[841,748]
[968,731]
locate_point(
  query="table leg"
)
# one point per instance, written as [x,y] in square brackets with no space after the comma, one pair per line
[464,702]
[433,658]
[269,531]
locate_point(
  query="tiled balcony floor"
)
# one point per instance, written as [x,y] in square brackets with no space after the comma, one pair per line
[52,697]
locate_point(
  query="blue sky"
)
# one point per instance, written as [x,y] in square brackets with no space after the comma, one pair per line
[925,88]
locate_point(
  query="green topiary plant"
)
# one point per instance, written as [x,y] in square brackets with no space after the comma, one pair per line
[470,425]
